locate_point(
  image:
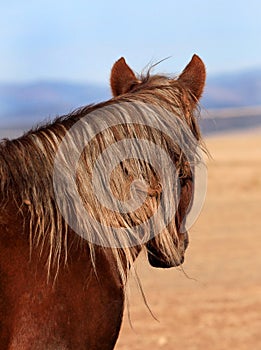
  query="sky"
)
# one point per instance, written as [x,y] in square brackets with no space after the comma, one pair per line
[80,40]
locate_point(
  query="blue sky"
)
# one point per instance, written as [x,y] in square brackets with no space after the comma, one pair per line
[80,40]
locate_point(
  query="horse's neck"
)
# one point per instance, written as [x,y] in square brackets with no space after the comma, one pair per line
[52,310]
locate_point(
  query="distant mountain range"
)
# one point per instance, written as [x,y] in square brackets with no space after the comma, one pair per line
[240,89]
[25,104]
[22,105]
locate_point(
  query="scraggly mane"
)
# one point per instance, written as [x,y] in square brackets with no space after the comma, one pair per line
[26,168]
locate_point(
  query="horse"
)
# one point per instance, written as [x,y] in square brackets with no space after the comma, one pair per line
[64,262]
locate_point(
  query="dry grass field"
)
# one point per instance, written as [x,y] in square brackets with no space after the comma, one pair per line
[217,306]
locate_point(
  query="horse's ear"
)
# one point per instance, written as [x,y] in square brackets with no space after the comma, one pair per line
[193,76]
[122,78]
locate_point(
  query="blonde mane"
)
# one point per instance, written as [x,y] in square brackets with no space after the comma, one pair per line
[28,165]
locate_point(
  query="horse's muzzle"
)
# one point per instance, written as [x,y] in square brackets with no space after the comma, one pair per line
[158,259]
[158,262]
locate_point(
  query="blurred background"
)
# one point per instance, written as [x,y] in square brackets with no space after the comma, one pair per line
[57,56]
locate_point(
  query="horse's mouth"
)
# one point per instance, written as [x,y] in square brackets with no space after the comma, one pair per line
[158,259]
[159,262]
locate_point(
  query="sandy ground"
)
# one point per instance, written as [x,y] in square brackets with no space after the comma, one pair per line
[218,306]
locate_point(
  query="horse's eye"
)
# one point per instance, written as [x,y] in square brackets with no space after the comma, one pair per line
[183,180]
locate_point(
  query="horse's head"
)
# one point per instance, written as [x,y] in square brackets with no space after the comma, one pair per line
[167,248]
